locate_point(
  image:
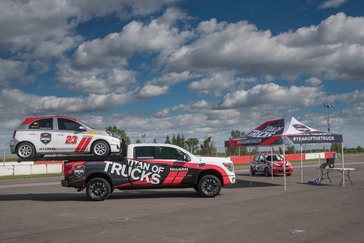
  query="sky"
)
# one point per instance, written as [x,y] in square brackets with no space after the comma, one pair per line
[191,67]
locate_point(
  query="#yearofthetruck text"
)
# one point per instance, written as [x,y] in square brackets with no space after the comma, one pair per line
[149,166]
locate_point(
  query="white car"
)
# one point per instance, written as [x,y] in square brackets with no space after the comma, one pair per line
[37,136]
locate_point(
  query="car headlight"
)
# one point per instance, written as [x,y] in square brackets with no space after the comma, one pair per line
[288,163]
[114,135]
[229,166]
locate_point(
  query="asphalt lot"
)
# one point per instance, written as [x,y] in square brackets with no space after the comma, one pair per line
[40,210]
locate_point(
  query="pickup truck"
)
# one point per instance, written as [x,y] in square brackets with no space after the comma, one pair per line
[146,166]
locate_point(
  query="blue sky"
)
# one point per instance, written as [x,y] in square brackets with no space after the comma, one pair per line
[195,68]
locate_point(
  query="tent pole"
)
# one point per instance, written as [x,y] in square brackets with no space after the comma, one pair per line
[271,161]
[301,165]
[250,171]
[342,163]
[284,168]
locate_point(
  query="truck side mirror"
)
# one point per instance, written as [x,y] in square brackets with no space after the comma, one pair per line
[186,158]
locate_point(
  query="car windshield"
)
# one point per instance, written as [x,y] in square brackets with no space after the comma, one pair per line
[85,125]
[275,158]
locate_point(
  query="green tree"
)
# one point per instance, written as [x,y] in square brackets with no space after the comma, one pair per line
[192,144]
[290,149]
[168,141]
[336,147]
[208,148]
[254,151]
[121,133]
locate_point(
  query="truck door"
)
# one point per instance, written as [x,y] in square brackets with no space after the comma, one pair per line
[176,173]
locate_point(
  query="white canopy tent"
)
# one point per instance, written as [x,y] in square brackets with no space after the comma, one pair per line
[287,131]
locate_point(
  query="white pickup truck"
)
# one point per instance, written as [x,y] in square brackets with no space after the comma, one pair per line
[149,165]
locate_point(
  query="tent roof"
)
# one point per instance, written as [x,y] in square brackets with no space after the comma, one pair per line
[287,131]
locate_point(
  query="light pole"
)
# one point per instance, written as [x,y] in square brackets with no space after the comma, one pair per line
[328,106]
[143,137]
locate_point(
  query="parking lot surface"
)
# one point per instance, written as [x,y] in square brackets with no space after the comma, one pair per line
[255,209]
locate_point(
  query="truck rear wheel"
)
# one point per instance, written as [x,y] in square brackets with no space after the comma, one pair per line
[209,186]
[98,189]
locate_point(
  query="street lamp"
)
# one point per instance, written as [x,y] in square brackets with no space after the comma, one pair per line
[328,106]
[143,136]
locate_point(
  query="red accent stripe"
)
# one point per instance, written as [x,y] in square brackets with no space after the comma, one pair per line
[178,179]
[170,177]
[80,145]
[83,145]
[87,142]
[141,183]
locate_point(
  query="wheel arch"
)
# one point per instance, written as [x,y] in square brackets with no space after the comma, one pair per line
[210,172]
[25,141]
[100,175]
[99,140]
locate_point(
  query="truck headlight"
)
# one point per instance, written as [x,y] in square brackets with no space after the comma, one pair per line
[229,166]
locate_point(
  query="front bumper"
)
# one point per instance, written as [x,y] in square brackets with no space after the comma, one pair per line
[13,144]
[280,170]
[64,183]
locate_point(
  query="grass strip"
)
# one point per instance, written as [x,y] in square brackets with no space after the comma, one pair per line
[30,176]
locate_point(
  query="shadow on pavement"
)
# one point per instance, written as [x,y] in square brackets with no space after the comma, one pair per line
[246,183]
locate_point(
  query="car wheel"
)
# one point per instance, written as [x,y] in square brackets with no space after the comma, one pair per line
[100,148]
[98,189]
[209,186]
[252,172]
[266,171]
[25,150]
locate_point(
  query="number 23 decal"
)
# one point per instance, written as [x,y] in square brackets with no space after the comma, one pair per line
[71,139]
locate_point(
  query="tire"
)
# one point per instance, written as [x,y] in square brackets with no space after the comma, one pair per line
[266,171]
[252,172]
[100,148]
[98,189]
[25,150]
[209,186]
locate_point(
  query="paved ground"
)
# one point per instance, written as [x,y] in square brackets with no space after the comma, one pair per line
[40,210]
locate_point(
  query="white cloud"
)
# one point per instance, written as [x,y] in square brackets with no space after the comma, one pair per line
[272,95]
[214,84]
[21,104]
[313,82]
[331,4]
[97,81]
[135,37]
[152,90]
[349,97]
[331,50]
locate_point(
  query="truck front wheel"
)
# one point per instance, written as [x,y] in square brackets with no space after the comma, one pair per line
[209,186]
[98,189]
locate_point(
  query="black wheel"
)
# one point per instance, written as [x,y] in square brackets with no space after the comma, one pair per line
[100,148]
[252,172]
[209,186]
[98,189]
[266,171]
[25,150]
